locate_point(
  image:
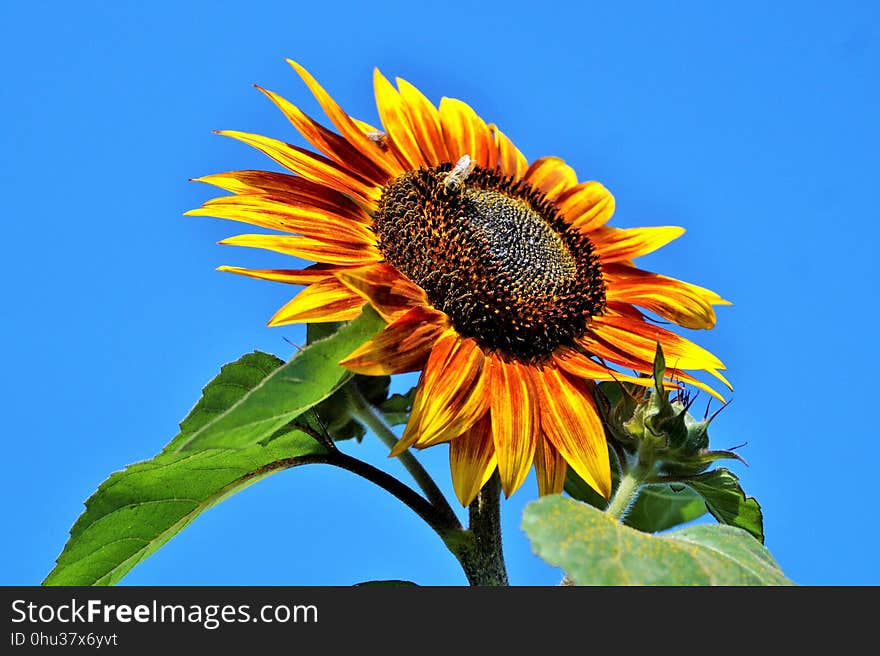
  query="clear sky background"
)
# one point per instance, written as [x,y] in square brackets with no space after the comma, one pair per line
[753,124]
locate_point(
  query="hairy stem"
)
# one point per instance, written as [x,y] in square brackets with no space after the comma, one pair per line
[483,558]
[628,489]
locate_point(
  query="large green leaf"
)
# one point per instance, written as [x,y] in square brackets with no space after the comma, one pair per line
[595,549]
[308,378]
[657,508]
[136,511]
[727,502]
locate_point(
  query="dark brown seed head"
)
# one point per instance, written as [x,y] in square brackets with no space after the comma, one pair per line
[495,256]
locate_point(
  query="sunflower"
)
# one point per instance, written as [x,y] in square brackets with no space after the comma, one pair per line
[498,278]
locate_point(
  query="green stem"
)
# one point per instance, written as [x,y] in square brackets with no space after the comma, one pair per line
[628,489]
[372,419]
[483,558]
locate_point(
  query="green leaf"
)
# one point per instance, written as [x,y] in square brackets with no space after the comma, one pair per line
[335,413]
[232,383]
[727,502]
[595,549]
[136,511]
[308,378]
[657,508]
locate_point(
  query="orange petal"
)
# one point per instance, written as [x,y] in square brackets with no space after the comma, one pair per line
[450,397]
[515,421]
[424,120]
[312,274]
[614,354]
[550,468]
[309,165]
[640,338]
[274,214]
[308,249]
[327,300]
[551,175]
[396,122]
[290,189]
[385,288]
[472,460]
[586,206]
[250,181]
[616,244]
[510,161]
[465,133]
[571,423]
[402,346]
[347,127]
[580,366]
[331,144]
[676,302]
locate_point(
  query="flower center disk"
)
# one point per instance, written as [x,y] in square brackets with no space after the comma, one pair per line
[495,256]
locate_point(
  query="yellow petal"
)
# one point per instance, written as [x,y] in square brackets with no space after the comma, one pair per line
[327,300]
[615,244]
[309,249]
[581,366]
[571,423]
[347,127]
[472,460]
[465,133]
[510,160]
[396,122]
[291,189]
[309,165]
[640,338]
[515,421]
[284,216]
[586,206]
[424,120]
[402,346]
[612,353]
[450,396]
[331,144]
[551,175]
[550,468]
[391,294]
[312,274]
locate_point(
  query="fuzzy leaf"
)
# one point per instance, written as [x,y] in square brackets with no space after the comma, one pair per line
[137,510]
[595,549]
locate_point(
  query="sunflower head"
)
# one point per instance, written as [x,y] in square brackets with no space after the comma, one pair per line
[493,255]
[499,279]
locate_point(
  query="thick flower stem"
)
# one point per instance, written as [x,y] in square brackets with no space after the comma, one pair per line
[628,489]
[483,558]
[367,415]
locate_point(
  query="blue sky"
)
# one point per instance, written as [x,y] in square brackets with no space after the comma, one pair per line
[754,126]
